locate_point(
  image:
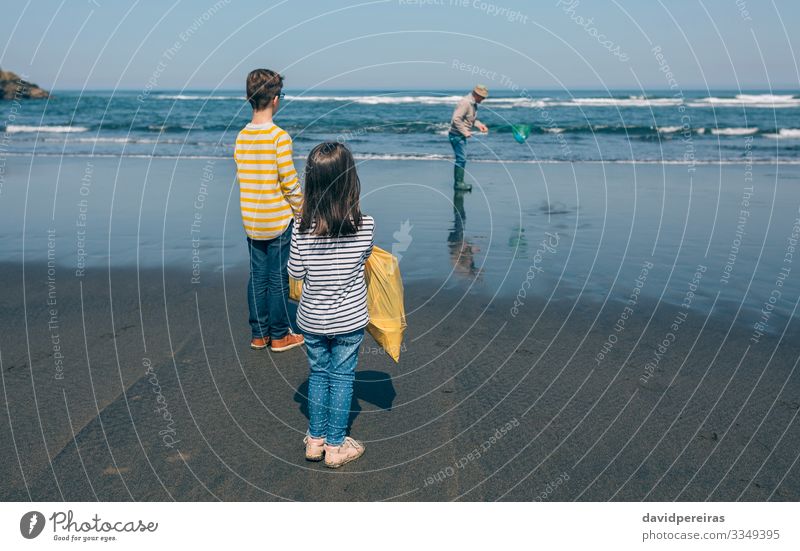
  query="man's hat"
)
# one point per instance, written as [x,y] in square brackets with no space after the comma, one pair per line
[481,90]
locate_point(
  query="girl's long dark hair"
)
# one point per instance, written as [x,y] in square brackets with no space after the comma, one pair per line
[331,203]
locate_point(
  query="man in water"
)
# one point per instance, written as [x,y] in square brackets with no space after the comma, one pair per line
[464,119]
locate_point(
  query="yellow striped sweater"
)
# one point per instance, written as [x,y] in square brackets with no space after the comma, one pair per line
[269,190]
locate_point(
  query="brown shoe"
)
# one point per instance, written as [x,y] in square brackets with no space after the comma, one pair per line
[347,451]
[291,340]
[315,448]
[257,343]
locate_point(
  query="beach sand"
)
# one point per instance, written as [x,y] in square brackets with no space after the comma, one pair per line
[156,395]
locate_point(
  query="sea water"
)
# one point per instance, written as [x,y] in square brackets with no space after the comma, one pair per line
[611,126]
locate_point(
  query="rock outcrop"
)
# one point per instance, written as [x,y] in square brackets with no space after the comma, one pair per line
[13,87]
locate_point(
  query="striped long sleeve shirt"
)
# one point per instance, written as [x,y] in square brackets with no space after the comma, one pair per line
[334,299]
[269,190]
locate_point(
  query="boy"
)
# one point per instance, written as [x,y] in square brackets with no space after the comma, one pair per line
[270,197]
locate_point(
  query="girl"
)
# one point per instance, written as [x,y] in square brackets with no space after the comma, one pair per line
[328,252]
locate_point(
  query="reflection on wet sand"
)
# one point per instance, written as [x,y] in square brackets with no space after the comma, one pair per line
[518,243]
[462,251]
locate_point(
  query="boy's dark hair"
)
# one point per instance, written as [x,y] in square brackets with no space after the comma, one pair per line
[262,86]
[331,197]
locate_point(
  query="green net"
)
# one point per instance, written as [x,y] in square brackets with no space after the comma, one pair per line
[521,132]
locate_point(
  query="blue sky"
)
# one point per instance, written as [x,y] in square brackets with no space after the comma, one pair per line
[402,44]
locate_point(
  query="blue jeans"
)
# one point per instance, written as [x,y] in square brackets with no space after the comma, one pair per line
[332,361]
[268,287]
[459,144]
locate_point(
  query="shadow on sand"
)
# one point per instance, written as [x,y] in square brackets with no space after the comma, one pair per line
[374,387]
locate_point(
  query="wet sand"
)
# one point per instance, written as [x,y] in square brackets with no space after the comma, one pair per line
[162,399]
[126,370]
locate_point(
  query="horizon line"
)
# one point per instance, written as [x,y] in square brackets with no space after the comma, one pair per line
[501,90]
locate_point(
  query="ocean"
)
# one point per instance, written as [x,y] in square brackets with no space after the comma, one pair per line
[604,185]
[594,126]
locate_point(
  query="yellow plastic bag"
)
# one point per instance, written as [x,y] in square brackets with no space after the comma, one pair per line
[295,288]
[387,315]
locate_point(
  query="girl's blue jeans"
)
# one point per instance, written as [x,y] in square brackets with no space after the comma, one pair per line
[332,361]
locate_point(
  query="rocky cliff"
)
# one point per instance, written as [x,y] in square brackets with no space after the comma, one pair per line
[13,87]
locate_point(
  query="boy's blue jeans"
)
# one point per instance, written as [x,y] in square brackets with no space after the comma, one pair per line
[333,361]
[268,287]
[459,144]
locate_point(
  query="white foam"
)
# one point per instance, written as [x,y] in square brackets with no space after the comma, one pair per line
[14,128]
[632,101]
[675,129]
[98,139]
[749,100]
[785,133]
[133,140]
[380,100]
[733,131]
[394,157]
[500,103]
[188,97]
[166,127]
[508,103]
[709,162]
